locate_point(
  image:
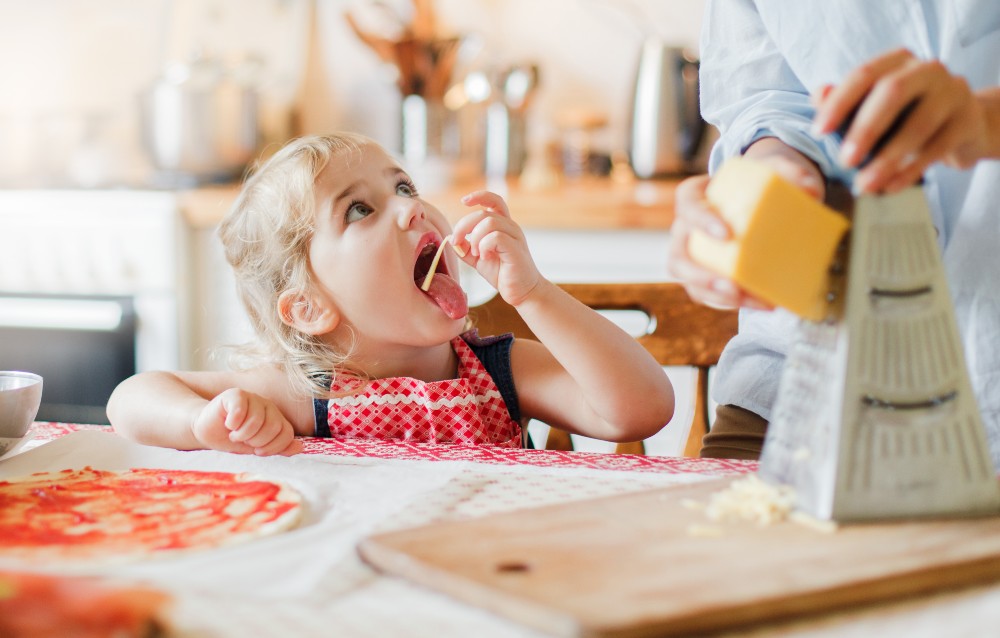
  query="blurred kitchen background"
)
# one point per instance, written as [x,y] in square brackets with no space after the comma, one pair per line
[76,72]
[126,126]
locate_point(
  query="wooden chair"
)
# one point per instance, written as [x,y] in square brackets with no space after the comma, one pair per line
[681,333]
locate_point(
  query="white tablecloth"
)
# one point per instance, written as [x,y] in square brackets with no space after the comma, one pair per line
[310,581]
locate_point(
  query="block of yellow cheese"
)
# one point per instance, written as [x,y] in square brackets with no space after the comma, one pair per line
[784,239]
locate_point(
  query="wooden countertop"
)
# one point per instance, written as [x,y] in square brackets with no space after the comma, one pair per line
[589,204]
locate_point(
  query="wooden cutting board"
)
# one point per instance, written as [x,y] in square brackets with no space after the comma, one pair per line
[636,565]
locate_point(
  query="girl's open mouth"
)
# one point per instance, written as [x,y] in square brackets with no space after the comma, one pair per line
[444,290]
[424,261]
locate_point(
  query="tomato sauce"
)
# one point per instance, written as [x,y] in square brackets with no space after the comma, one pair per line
[102,512]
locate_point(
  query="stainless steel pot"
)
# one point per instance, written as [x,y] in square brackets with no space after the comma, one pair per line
[199,125]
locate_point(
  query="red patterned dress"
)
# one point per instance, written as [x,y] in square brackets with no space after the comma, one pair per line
[468,410]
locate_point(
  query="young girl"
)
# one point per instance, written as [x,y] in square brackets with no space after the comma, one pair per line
[330,244]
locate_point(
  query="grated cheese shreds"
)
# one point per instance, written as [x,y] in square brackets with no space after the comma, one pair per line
[827,527]
[691,504]
[705,531]
[751,499]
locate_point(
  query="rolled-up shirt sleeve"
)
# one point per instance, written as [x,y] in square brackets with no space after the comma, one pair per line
[748,90]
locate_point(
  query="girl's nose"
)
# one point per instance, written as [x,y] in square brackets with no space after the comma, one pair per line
[409,211]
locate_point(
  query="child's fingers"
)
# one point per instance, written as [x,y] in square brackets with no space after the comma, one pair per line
[215,413]
[470,230]
[285,445]
[244,417]
[488,200]
[233,404]
[489,246]
[462,228]
[273,426]
[295,447]
[488,225]
[502,250]
[499,241]
[211,428]
[269,430]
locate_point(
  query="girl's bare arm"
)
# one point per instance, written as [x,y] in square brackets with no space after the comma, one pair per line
[586,375]
[251,411]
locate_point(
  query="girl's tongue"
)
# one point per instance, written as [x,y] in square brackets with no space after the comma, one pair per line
[448,295]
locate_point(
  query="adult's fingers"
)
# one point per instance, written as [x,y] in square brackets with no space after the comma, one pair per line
[692,206]
[904,108]
[909,173]
[701,284]
[846,96]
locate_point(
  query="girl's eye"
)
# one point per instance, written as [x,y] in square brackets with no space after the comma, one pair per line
[358,211]
[406,189]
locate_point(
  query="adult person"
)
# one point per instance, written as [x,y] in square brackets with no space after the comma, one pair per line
[778,79]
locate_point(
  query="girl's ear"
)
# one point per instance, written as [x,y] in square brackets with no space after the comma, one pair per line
[308,313]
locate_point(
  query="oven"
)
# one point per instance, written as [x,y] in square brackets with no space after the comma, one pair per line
[91,291]
[82,345]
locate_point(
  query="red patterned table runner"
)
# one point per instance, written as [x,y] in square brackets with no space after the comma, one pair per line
[401,450]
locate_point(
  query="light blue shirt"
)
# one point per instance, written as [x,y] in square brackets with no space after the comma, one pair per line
[759,61]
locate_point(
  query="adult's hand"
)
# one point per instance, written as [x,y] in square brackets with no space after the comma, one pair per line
[692,211]
[948,123]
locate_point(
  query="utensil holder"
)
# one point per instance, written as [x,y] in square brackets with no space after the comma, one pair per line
[505,152]
[428,130]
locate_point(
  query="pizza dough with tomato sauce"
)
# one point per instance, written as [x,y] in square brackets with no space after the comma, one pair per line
[36,605]
[90,514]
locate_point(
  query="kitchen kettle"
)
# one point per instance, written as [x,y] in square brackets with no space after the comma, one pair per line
[666,129]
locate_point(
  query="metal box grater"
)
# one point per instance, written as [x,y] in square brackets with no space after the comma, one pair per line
[875,416]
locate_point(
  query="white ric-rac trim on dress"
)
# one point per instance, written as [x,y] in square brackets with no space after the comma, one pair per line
[385,399]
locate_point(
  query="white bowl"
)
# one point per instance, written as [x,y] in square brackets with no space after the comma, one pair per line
[20,396]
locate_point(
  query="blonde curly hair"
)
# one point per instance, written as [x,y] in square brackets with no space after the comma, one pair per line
[266,237]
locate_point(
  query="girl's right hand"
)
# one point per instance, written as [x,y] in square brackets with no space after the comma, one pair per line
[495,245]
[245,423]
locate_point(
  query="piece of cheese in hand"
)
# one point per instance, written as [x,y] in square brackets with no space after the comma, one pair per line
[783,239]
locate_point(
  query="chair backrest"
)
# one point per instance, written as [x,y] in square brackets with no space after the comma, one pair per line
[681,333]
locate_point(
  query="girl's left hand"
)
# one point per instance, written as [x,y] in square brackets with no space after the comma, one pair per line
[948,122]
[495,246]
